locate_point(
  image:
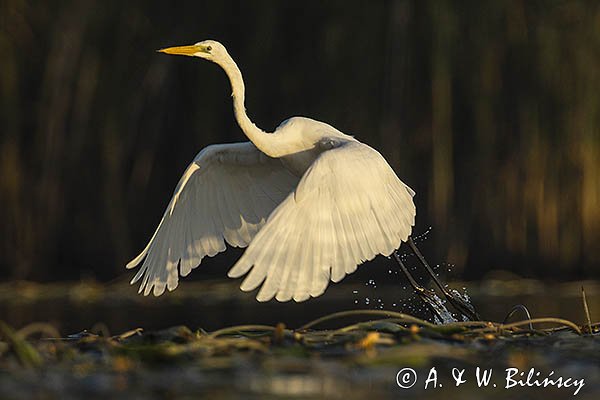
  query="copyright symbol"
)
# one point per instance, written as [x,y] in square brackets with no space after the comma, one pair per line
[406,378]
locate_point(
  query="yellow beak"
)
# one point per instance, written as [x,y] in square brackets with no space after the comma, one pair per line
[182,50]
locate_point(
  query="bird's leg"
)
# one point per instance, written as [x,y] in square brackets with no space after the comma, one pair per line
[459,304]
[425,295]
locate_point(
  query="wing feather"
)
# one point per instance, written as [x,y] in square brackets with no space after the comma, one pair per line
[225,194]
[348,207]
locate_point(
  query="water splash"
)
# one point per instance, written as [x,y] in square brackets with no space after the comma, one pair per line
[423,236]
[464,297]
[441,315]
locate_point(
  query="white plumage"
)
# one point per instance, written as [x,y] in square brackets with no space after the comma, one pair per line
[309,202]
[226,194]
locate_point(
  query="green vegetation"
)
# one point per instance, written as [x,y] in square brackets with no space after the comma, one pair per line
[154,363]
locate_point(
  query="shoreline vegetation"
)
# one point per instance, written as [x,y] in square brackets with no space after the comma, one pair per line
[137,361]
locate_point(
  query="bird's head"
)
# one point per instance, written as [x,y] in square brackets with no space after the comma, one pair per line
[208,49]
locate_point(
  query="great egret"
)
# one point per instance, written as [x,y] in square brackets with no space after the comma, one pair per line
[310,202]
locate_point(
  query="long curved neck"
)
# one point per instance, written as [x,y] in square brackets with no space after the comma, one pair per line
[261,139]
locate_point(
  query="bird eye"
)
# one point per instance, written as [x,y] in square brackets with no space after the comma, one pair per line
[208,48]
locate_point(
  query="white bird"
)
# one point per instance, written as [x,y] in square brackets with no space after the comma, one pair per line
[310,202]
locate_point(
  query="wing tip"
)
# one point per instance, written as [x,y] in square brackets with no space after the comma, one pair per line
[263,299]
[239,269]
[283,297]
[248,286]
[234,274]
[302,297]
[136,261]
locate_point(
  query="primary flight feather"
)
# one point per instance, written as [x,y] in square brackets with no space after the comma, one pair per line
[310,202]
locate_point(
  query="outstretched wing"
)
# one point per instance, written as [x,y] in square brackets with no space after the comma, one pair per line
[226,193]
[348,207]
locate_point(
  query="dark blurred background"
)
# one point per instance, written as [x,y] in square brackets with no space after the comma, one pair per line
[490,110]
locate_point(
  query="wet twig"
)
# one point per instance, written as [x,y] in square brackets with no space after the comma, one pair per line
[400,316]
[586,310]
